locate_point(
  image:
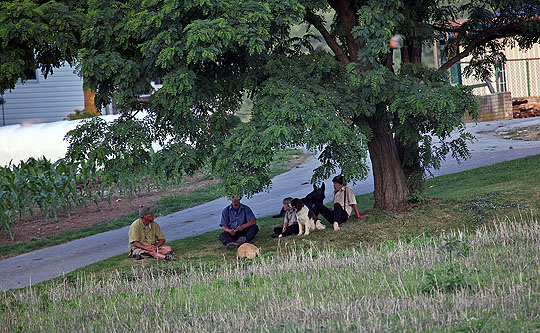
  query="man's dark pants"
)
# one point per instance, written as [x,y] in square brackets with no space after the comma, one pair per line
[249,233]
[338,214]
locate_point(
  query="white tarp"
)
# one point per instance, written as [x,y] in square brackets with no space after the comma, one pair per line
[20,142]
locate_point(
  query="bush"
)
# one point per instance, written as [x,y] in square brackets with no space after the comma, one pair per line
[81,114]
[448,279]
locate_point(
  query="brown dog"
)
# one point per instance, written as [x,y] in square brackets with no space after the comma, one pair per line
[247,250]
[307,220]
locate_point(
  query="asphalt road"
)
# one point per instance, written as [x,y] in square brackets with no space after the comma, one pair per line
[44,264]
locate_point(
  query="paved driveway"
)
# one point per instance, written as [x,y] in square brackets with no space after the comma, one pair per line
[41,265]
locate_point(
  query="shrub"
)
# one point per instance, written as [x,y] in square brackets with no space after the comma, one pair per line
[81,114]
[448,279]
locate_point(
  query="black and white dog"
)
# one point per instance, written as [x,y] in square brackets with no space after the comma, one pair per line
[307,220]
[314,197]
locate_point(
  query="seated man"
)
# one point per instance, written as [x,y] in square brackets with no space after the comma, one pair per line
[238,223]
[344,203]
[146,238]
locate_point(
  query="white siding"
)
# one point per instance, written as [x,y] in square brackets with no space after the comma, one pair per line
[522,73]
[18,142]
[516,53]
[44,100]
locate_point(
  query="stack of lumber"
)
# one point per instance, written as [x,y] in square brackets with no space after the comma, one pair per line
[523,109]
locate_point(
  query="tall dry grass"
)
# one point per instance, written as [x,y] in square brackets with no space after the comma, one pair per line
[361,289]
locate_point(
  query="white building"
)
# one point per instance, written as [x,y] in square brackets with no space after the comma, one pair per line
[520,75]
[41,100]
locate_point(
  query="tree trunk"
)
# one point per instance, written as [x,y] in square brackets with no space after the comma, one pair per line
[411,53]
[390,183]
[409,155]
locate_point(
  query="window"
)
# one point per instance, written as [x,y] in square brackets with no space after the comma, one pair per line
[455,74]
[157,80]
[500,77]
[31,76]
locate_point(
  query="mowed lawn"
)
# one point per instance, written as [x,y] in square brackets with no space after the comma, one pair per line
[466,258]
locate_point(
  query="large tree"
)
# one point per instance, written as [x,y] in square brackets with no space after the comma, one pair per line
[37,34]
[342,100]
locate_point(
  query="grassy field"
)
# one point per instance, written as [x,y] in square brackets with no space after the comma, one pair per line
[466,259]
[481,281]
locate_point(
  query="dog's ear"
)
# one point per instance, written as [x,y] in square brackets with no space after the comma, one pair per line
[314,187]
[322,187]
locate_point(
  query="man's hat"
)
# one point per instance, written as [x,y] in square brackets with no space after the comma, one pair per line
[145,210]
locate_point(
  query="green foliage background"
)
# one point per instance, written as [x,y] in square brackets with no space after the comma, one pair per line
[319,74]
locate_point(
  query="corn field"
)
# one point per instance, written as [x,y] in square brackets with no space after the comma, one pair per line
[39,186]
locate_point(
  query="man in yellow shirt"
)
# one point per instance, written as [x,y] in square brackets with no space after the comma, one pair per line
[146,238]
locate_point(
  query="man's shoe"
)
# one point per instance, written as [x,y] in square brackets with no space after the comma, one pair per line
[138,257]
[241,240]
[231,246]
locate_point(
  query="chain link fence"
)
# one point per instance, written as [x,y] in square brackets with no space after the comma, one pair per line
[523,77]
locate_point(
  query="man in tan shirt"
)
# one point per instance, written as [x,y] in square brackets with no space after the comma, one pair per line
[344,203]
[146,238]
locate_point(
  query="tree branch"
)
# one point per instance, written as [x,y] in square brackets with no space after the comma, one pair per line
[330,40]
[389,60]
[446,28]
[483,38]
[348,19]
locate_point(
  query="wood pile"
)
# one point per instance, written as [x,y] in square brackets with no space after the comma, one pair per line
[523,109]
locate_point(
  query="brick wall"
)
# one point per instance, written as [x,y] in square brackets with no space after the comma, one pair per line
[496,106]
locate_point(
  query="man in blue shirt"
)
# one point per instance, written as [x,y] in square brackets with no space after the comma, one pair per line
[238,223]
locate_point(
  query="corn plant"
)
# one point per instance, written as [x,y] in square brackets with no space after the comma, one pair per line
[5,216]
[38,183]
[65,185]
[93,174]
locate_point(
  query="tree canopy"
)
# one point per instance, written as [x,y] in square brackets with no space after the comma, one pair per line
[36,34]
[342,101]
